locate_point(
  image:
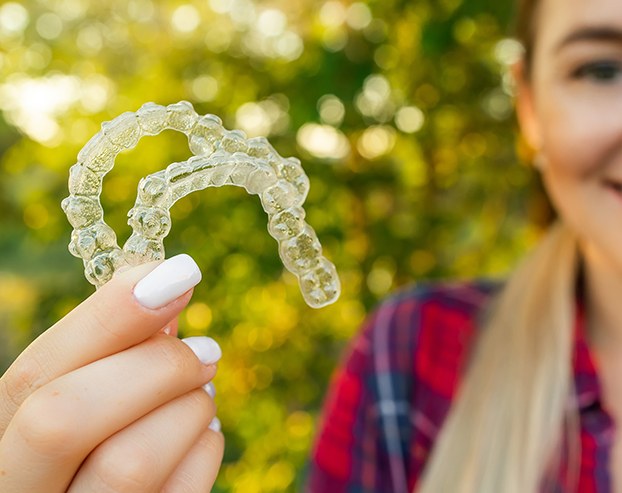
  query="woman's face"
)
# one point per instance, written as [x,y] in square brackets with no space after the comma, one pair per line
[571,111]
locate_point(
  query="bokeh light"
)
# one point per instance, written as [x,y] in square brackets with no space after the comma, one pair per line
[13,19]
[409,119]
[323,141]
[331,109]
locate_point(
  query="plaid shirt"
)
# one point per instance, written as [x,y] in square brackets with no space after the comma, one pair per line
[390,397]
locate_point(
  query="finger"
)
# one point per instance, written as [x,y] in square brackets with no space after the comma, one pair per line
[199,469]
[172,328]
[61,423]
[143,455]
[109,321]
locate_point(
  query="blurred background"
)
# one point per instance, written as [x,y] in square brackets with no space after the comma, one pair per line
[401,112]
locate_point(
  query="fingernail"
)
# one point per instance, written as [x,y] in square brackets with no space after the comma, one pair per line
[210,389]
[215,424]
[207,349]
[167,282]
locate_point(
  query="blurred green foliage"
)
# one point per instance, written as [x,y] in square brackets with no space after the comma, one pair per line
[400,110]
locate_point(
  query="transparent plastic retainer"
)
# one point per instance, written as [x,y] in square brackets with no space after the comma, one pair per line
[220,157]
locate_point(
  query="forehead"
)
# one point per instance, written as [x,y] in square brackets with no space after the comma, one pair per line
[558,17]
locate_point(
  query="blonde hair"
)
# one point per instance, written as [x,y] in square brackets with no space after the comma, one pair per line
[504,432]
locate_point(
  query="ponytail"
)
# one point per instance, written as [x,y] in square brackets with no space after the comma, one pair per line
[504,431]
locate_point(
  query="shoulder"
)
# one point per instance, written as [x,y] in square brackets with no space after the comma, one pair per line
[431,310]
[447,320]
[419,343]
[445,297]
[389,396]
[424,333]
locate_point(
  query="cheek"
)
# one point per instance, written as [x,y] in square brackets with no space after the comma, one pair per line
[581,126]
[583,146]
[576,147]
[576,140]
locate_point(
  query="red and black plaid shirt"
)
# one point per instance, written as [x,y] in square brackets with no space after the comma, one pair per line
[390,397]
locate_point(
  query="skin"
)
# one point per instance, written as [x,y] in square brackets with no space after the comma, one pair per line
[570,110]
[66,425]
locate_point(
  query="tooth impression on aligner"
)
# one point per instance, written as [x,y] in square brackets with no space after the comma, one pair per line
[220,157]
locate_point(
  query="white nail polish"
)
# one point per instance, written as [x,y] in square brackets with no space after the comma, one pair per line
[167,282]
[215,424]
[210,389]
[206,349]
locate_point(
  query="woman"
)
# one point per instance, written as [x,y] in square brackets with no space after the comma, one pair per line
[67,423]
[488,389]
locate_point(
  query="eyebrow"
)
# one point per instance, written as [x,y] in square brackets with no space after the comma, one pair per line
[595,33]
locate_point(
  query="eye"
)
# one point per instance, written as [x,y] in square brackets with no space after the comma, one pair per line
[601,71]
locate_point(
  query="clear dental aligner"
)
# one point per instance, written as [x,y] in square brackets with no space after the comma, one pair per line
[220,157]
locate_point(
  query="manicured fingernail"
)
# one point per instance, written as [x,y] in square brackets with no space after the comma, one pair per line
[215,424]
[210,389]
[167,282]
[206,349]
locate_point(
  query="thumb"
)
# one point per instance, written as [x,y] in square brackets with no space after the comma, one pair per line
[127,310]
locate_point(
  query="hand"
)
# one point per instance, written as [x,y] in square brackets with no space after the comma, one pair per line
[104,401]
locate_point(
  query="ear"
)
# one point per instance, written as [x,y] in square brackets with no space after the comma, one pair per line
[525,106]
